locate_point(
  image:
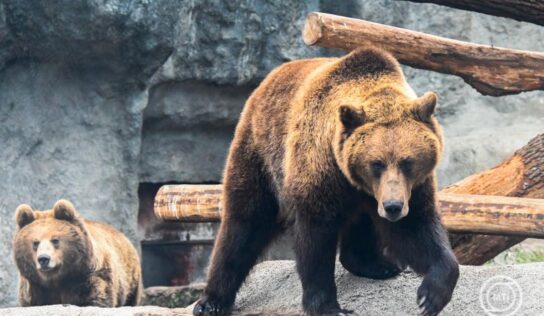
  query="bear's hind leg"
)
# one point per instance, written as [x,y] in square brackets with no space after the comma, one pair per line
[248,225]
[361,252]
[315,250]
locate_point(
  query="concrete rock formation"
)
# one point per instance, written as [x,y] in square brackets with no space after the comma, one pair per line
[99,96]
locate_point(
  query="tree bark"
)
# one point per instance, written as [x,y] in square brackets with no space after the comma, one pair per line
[490,70]
[522,175]
[520,10]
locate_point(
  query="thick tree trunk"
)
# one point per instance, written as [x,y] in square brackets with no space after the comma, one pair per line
[490,70]
[520,176]
[521,10]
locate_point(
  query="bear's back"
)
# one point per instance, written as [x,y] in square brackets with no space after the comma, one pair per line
[267,111]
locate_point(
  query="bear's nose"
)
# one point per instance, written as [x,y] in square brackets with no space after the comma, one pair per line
[44,260]
[393,207]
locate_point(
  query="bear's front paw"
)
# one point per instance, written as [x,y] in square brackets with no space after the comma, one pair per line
[207,307]
[433,296]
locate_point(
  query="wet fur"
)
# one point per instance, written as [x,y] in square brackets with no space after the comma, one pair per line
[100,267]
[289,166]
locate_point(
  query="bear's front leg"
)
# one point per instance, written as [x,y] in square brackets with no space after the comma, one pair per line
[97,292]
[421,241]
[315,250]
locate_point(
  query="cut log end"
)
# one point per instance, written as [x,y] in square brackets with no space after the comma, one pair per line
[312,32]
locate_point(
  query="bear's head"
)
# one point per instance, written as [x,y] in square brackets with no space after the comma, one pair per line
[387,139]
[50,245]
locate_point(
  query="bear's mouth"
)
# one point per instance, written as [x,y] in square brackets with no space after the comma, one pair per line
[48,269]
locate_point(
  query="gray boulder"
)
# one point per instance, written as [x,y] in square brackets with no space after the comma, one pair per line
[274,288]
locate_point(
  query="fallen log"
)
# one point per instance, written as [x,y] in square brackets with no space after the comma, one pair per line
[462,213]
[520,10]
[490,70]
[522,175]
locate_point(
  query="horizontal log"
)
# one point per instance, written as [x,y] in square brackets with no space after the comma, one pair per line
[189,203]
[497,215]
[490,70]
[460,212]
[521,10]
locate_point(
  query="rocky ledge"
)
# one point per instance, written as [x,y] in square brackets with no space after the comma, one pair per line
[274,289]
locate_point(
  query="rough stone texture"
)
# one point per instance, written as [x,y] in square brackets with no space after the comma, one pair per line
[63,138]
[187,131]
[79,79]
[273,288]
[172,296]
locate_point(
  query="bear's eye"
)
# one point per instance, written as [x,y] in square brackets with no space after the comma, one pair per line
[35,244]
[406,165]
[55,242]
[377,167]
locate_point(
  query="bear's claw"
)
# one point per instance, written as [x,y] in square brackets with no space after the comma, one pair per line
[432,298]
[207,308]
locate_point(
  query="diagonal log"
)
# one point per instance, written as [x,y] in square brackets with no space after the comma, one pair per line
[521,10]
[490,70]
[522,175]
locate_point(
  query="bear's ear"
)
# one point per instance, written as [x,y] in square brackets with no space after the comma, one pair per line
[65,211]
[350,117]
[424,106]
[24,215]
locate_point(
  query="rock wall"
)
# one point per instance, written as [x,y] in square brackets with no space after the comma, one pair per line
[99,96]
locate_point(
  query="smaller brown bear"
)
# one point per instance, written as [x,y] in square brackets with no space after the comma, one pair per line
[65,259]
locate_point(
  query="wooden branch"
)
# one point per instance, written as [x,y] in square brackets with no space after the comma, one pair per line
[189,203]
[460,212]
[490,70]
[522,175]
[521,10]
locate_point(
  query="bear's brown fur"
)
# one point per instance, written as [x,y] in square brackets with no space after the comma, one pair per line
[339,149]
[65,259]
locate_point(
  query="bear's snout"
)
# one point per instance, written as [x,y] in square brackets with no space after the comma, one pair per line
[44,261]
[393,208]
[44,256]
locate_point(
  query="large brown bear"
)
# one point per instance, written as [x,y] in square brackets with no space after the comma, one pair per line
[64,259]
[341,150]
